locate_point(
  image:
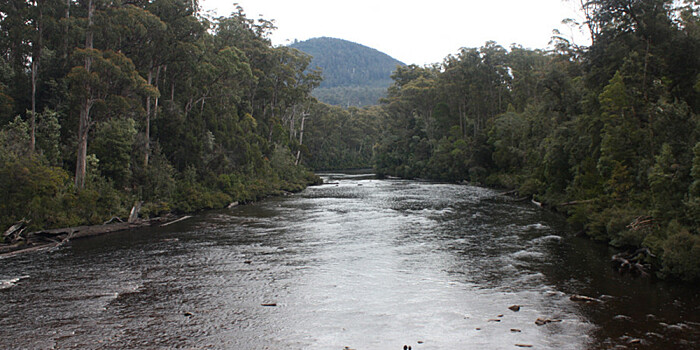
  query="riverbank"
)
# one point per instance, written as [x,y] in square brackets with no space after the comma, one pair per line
[647,246]
[19,238]
[374,266]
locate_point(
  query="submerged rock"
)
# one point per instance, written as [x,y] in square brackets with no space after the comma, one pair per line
[544,321]
[622,318]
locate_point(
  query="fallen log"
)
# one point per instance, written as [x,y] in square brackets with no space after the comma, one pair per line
[113,219]
[577,202]
[178,220]
[54,238]
[14,233]
[583,299]
[35,248]
[623,263]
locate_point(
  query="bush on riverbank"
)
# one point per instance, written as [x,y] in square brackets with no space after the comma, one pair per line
[45,195]
[208,113]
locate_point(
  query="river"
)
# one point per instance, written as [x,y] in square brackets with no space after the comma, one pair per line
[358,263]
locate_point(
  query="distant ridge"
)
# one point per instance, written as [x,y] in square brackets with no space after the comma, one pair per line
[354,74]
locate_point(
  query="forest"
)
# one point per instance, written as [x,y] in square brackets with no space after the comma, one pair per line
[107,103]
[104,103]
[608,134]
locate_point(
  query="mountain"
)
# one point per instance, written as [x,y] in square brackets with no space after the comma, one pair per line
[353,74]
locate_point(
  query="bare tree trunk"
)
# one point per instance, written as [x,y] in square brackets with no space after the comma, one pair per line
[32,132]
[36,60]
[292,120]
[155,105]
[81,165]
[147,150]
[463,119]
[301,137]
[84,124]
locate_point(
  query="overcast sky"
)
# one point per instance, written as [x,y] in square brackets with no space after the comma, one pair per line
[420,32]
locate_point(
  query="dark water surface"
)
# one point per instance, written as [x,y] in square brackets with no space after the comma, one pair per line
[364,264]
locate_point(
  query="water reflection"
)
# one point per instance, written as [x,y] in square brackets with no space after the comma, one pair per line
[359,262]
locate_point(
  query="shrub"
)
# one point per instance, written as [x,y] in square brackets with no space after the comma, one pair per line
[681,254]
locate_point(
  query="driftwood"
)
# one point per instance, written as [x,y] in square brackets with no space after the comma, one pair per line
[577,202]
[15,232]
[54,238]
[583,299]
[633,262]
[178,220]
[640,223]
[113,219]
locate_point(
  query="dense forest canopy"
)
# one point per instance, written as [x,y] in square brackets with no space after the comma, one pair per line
[609,134]
[104,103]
[353,74]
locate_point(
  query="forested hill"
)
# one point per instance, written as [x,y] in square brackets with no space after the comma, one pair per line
[353,74]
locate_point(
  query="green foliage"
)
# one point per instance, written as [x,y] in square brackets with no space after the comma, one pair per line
[181,111]
[48,136]
[681,253]
[603,133]
[114,143]
[336,138]
[31,190]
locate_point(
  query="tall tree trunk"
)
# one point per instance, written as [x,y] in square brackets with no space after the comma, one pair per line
[84,128]
[32,131]
[84,124]
[147,150]
[301,137]
[36,60]
[65,33]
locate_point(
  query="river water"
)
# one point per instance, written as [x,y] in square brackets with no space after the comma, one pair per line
[358,263]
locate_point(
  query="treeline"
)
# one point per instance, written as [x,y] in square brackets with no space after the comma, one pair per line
[104,103]
[342,138]
[608,133]
[351,96]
